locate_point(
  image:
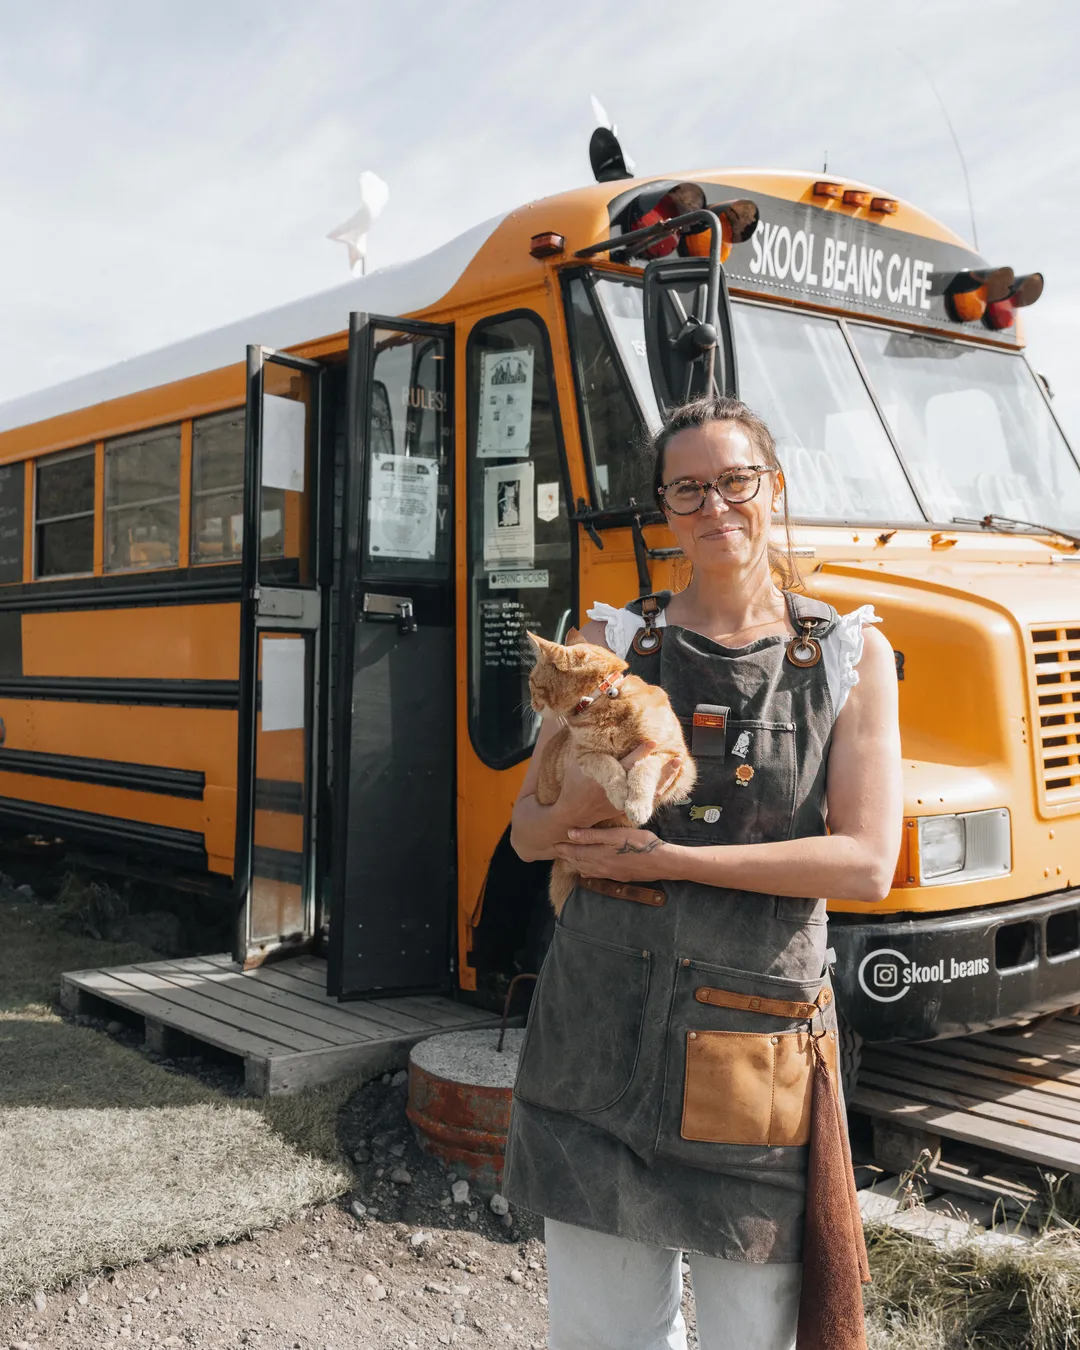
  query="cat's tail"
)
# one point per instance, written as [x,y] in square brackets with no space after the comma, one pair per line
[561,886]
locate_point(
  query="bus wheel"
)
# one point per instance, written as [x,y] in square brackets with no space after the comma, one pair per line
[850,1058]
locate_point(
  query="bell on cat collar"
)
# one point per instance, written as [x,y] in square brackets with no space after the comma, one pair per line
[608,685]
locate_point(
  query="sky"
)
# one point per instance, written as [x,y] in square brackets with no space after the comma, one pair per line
[169,167]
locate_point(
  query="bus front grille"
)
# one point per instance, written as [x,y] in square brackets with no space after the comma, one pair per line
[1055,652]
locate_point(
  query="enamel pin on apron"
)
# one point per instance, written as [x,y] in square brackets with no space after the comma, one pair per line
[709,814]
[743,774]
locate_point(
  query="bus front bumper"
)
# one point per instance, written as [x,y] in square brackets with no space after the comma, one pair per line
[917,979]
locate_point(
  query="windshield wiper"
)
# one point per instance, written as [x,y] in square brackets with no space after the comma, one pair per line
[993,521]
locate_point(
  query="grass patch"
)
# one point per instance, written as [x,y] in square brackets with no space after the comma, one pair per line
[973,1297]
[107,1158]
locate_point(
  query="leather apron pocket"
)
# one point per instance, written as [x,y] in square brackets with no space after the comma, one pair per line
[581,1046]
[740,1067]
[750,1087]
[745,789]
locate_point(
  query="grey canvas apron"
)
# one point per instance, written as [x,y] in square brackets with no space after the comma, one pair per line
[622,1074]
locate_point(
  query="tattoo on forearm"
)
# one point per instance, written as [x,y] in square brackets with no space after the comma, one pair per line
[628,847]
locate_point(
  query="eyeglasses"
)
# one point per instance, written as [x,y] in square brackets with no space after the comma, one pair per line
[687,495]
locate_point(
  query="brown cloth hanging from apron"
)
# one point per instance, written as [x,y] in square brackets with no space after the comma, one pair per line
[834,1250]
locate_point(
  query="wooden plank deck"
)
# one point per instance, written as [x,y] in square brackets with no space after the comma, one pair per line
[277,1019]
[1019,1094]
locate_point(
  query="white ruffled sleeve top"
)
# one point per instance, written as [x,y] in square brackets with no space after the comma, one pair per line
[841,650]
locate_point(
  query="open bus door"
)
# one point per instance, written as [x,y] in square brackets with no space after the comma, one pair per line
[393,875]
[280,675]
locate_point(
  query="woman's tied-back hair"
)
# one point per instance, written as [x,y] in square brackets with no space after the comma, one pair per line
[700,413]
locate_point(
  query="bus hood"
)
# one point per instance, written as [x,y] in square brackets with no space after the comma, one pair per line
[1029,592]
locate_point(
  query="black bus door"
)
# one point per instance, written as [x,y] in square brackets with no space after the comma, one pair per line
[281,685]
[393,882]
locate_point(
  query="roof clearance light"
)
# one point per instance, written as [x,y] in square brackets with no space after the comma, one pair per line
[886,206]
[854,197]
[1024,291]
[968,293]
[828,190]
[738,221]
[547,245]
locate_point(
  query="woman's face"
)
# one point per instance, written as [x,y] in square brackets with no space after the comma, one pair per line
[722,534]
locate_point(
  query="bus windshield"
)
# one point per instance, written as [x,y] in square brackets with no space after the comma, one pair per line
[972,425]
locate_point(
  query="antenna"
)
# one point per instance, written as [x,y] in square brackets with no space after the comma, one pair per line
[955,140]
[825,166]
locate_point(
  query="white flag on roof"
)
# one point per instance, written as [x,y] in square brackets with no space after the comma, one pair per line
[353,233]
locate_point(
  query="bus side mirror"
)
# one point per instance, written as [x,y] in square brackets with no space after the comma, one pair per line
[688,331]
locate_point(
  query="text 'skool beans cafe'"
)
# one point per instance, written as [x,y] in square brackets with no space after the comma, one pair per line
[264,591]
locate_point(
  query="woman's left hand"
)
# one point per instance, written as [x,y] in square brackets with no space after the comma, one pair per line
[619,854]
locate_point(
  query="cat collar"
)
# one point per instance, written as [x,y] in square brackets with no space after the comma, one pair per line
[609,685]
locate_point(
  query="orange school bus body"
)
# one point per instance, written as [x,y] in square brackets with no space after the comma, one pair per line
[974,618]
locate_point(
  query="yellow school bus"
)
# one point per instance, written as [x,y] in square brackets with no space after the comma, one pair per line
[263,593]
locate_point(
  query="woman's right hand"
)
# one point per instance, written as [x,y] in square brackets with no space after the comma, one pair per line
[583,802]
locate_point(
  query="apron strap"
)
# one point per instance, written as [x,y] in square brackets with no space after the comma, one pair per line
[810,615]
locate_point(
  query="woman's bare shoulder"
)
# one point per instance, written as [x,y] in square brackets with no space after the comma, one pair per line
[595,631]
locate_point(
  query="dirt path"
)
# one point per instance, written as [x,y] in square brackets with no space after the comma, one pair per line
[323,1282]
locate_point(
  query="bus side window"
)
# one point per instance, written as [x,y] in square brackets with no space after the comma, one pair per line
[521,553]
[142,500]
[64,514]
[217,493]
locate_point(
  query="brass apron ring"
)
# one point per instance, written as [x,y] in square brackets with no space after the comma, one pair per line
[804,650]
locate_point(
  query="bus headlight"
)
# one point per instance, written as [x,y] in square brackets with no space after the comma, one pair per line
[965,847]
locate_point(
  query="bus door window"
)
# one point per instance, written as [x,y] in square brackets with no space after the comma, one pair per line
[797,373]
[973,427]
[217,495]
[64,514]
[410,529]
[142,500]
[520,544]
[612,423]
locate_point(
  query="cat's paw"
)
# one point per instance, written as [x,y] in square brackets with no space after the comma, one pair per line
[638,810]
[616,794]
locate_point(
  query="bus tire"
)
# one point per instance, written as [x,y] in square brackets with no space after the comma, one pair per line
[850,1055]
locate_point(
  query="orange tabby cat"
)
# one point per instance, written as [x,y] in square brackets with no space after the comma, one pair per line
[605,715]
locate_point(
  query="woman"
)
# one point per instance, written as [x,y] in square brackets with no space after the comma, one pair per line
[642,1126]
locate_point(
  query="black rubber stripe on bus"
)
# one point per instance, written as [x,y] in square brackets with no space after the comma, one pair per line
[111,832]
[156,693]
[277,864]
[214,583]
[105,772]
[276,794]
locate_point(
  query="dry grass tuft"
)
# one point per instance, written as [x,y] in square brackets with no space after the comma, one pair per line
[87,1188]
[980,1296]
[105,1157]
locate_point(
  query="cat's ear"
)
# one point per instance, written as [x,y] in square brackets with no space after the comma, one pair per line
[573,637]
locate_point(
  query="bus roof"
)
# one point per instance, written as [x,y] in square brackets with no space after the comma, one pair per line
[584,215]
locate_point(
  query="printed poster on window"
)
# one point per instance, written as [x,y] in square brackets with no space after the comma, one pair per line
[402,507]
[509,520]
[506,385]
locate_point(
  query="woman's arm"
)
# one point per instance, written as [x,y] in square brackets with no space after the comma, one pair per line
[865,795]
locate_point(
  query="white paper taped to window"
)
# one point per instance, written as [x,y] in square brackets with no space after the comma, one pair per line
[283,667]
[509,521]
[403,507]
[283,443]
[506,389]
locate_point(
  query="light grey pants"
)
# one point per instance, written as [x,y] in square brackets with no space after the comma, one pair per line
[605,1293]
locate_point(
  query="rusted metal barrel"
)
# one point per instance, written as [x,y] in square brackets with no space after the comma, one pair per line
[459,1100]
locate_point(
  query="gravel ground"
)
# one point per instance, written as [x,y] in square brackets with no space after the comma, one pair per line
[397,1265]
